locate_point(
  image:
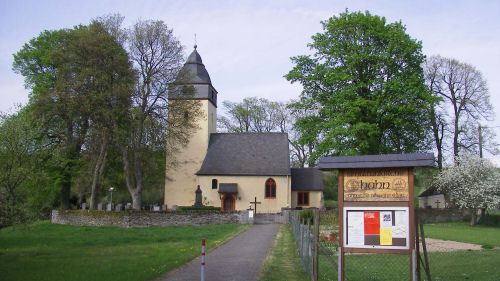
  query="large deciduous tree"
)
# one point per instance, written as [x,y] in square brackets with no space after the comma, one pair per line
[473,184]
[80,80]
[364,85]
[463,104]
[157,56]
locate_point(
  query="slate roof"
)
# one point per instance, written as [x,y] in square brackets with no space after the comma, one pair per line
[307,179]
[193,71]
[378,161]
[259,154]
[429,192]
[228,188]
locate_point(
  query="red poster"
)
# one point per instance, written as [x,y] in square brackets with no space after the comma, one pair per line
[372,223]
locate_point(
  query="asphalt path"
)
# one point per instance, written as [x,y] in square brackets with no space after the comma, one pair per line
[240,259]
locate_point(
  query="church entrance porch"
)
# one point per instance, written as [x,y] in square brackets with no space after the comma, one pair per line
[228,203]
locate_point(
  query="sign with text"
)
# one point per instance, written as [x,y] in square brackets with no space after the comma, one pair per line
[376,227]
[387,184]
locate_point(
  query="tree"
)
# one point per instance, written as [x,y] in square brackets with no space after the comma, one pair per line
[261,115]
[157,56]
[473,184]
[463,104]
[364,85]
[76,76]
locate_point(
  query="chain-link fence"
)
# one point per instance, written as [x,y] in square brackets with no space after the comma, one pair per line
[437,259]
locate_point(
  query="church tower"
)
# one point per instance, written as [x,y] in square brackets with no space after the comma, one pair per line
[180,183]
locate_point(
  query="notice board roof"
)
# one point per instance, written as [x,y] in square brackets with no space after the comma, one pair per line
[377,161]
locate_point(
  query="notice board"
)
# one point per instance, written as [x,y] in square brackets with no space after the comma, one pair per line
[376,227]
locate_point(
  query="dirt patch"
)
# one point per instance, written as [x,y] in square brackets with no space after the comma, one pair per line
[437,245]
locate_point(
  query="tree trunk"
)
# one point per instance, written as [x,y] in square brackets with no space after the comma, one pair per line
[65,188]
[137,200]
[97,173]
[133,180]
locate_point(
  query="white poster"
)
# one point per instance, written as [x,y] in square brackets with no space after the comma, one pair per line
[356,229]
[400,230]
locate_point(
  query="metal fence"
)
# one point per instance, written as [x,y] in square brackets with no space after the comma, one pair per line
[317,241]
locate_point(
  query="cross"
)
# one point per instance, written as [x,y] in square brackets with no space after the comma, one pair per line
[437,204]
[255,204]
[195,42]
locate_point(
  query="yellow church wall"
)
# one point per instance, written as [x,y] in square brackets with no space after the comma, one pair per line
[315,199]
[249,187]
[180,182]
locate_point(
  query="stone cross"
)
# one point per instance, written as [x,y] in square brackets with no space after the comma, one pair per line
[255,204]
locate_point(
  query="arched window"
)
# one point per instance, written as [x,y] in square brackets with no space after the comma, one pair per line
[214,184]
[270,188]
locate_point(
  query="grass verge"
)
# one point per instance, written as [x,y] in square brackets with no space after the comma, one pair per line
[283,262]
[463,232]
[43,251]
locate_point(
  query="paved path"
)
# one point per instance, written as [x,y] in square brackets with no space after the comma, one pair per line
[437,245]
[240,259]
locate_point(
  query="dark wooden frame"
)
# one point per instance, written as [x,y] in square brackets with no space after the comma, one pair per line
[298,198]
[271,189]
[411,219]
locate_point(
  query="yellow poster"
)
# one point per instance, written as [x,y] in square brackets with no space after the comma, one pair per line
[386,236]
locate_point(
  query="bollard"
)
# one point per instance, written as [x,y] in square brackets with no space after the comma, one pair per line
[202,260]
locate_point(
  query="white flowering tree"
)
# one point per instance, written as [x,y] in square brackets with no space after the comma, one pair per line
[473,183]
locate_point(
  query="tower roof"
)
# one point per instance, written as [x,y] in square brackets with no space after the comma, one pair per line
[193,71]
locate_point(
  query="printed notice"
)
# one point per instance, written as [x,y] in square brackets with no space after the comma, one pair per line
[355,229]
[400,229]
[386,219]
[386,236]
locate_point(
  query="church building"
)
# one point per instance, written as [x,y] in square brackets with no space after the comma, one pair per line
[234,169]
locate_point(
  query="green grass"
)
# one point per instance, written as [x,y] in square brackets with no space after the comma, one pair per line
[463,232]
[459,265]
[283,262]
[43,251]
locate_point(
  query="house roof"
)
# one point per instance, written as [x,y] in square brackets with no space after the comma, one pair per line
[307,179]
[247,154]
[378,161]
[429,192]
[228,188]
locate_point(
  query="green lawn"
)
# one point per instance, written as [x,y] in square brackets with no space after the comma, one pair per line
[460,265]
[283,262]
[43,251]
[463,232]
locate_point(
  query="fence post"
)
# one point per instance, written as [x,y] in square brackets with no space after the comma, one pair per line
[202,273]
[315,245]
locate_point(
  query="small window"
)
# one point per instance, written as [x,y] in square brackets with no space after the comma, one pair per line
[270,188]
[214,184]
[303,199]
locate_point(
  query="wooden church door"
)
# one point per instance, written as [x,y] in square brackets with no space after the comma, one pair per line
[228,202]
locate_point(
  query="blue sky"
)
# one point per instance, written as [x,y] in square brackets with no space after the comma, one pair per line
[246,45]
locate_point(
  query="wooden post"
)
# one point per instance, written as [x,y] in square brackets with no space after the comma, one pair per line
[315,249]
[341,224]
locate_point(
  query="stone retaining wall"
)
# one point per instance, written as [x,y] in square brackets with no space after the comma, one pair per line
[440,215]
[145,219]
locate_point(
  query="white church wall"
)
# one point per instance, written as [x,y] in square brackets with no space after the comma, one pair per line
[249,187]
[180,182]
[315,199]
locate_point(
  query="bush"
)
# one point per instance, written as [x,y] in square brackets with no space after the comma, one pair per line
[193,208]
[307,215]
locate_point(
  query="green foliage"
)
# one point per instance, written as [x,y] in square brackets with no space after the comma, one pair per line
[331,183]
[39,251]
[364,85]
[193,208]
[306,215]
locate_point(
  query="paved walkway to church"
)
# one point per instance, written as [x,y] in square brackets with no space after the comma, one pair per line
[240,259]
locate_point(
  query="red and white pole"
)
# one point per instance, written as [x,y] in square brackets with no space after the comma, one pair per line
[203,260]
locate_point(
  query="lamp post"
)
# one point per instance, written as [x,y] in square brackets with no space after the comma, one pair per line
[111,195]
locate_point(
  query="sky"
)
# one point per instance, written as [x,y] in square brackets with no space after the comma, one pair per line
[246,45]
